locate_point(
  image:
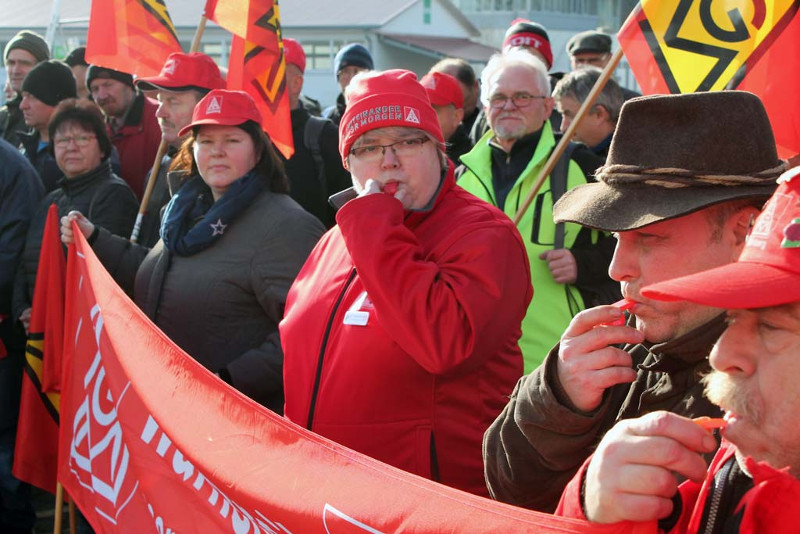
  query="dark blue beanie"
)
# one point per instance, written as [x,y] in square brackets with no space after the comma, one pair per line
[353,54]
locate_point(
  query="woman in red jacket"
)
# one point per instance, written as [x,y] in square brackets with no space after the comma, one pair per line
[400,334]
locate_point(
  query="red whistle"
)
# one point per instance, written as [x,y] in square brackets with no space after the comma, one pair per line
[390,188]
[623,305]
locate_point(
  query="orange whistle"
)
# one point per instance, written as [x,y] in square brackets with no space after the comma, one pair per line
[623,305]
[710,423]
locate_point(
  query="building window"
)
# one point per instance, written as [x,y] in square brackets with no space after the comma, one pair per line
[426,11]
[582,7]
[320,54]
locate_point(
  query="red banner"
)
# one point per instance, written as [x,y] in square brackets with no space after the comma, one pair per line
[152,442]
[256,62]
[36,448]
[133,36]
[681,46]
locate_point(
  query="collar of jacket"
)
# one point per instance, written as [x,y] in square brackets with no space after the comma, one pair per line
[133,116]
[446,183]
[78,184]
[29,141]
[686,350]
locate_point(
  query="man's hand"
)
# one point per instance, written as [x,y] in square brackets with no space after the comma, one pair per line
[631,475]
[85,225]
[25,319]
[587,363]
[562,265]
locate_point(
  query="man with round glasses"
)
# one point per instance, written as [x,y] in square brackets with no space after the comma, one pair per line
[400,332]
[568,264]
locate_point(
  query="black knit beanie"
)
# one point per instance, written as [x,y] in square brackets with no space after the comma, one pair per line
[94,72]
[51,82]
[76,57]
[31,42]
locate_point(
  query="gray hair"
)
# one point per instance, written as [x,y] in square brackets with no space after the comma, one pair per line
[578,84]
[511,58]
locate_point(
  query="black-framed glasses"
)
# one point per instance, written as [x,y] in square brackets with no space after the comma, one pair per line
[404,147]
[519,100]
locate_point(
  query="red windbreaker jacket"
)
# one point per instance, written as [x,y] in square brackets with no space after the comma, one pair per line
[400,332]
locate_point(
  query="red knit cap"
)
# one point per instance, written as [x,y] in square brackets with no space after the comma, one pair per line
[389,98]
[443,89]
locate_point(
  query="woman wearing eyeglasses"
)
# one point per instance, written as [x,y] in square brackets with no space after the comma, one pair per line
[82,150]
[232,242]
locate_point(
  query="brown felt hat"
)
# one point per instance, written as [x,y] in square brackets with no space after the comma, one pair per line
[672,155]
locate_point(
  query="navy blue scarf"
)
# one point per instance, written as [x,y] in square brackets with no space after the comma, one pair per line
[193,221]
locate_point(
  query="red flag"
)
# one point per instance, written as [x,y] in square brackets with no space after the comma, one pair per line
[257,64]
[681,46]
[133,36]
[151,441]
[36,449]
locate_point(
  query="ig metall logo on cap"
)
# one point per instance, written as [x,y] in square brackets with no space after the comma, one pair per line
[411,114]
[214,106]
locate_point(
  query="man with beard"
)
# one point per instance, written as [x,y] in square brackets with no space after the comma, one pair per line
[752,483]
[132,122]
[567,269]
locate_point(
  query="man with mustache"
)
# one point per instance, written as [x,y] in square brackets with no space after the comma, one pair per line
[183,81]
[685,175]
[131,120]
[568,264]
[752,484]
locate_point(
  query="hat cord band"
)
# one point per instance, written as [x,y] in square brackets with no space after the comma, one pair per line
[672,178]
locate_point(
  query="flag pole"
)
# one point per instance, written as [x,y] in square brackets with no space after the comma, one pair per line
[567,137]
[73,516]
[59,508]
[162,149]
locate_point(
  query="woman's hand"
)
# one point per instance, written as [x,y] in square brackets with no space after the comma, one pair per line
[85,225]
[25,319]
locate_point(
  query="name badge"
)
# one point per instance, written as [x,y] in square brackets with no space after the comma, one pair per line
[358,314]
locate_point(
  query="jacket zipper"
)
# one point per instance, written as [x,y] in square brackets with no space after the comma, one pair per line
[716,496]
[318,377]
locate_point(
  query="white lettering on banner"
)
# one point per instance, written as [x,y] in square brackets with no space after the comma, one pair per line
[159,521]
[240,519]
[98,456]
[329,510]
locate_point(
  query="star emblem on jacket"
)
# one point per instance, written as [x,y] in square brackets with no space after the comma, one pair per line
[218,228]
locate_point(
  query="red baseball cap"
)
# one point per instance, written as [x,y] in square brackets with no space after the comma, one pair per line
[225,108]
[767,272]
[184,71]
[443,89]
[294,53]
[385,99]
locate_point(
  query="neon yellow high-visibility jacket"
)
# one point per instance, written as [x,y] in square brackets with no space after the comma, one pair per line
[553,304]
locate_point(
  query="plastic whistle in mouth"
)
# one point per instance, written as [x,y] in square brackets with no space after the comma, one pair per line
[710,423]
[622,305]
[390,188]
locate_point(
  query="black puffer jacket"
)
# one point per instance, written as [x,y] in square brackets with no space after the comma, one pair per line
[100,195]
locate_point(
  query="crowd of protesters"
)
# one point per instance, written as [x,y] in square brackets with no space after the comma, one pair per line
[434,326]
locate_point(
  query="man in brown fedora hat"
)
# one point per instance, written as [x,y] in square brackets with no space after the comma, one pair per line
[684,177]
